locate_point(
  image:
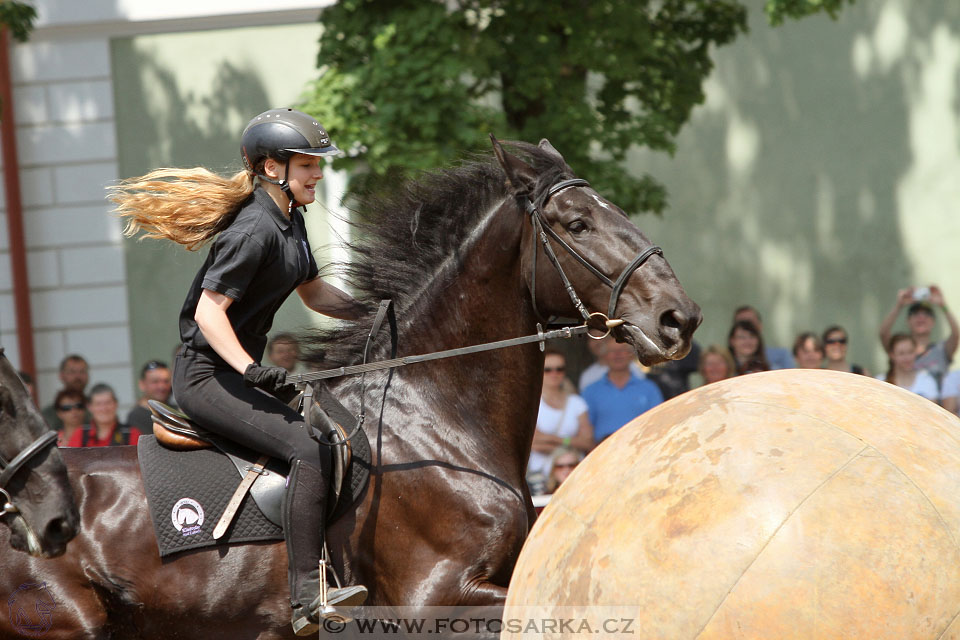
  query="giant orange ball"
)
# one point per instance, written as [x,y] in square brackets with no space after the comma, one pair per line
[787,504]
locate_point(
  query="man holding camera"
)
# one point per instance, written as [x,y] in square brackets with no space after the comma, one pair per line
[921,302]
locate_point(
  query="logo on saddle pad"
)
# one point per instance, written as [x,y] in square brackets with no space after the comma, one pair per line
[187,516]
[30,609]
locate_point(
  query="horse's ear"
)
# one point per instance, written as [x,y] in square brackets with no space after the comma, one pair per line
[520,175]
[546,146]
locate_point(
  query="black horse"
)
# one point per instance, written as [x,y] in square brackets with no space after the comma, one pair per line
[42,516]
[447,509]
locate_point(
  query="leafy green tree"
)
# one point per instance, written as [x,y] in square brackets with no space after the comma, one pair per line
[778,10]
[18,17]
[407,85]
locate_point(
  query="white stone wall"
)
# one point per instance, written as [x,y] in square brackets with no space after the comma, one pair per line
[66,137]
[63,101]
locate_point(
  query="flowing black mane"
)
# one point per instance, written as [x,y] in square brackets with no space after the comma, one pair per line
[407,235]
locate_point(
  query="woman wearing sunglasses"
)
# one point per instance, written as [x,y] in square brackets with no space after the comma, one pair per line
[71,408]
[835,347]
[562,420]
[561,465]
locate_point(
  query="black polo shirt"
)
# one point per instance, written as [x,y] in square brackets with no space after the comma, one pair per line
[258,261]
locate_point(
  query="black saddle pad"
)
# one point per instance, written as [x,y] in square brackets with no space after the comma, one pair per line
[188,491]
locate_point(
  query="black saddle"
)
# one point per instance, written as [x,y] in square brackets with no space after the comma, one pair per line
[175,430]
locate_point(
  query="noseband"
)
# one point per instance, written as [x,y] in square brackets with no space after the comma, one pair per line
[9,469]
[541,228]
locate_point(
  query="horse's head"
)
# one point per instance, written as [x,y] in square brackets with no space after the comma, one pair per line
[44,517]
[610,264]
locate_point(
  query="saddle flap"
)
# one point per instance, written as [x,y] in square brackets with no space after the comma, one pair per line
[270,484]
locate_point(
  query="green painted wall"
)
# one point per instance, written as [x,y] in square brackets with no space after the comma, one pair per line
[183,100]
[821,174]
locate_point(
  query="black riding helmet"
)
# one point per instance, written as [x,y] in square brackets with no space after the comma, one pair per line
[278,134]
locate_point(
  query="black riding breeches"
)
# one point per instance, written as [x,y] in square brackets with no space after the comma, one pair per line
[214,395]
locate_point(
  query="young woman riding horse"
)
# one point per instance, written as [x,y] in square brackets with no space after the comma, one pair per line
[462,254]
[259,255]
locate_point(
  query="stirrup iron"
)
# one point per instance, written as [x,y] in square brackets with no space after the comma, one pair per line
[344,597]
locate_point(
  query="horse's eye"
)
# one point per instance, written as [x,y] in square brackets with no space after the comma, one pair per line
[577,226]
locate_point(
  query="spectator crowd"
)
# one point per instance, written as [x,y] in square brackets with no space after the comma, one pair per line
[615,389]
[610,392]
[84,418]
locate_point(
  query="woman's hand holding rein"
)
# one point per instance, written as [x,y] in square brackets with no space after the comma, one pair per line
[270,379]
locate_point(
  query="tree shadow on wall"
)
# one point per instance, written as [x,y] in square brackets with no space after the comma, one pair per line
[784,189]
[161,125]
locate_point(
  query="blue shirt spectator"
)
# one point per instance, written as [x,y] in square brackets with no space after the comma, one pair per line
[779,358]
[610,407]
[619,396]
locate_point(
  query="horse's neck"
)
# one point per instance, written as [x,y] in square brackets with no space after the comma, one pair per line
[477,295]
[484,301]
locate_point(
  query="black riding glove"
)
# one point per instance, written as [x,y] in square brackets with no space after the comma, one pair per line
[270,379]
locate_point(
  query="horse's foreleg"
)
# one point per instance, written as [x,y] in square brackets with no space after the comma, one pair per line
[482,605]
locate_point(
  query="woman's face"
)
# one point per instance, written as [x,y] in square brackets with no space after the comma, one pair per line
[809,355]
[835,346]
[305,173]
[714,368]
[70,411]
[903,355]
[743,343]
[554,368]
[103,408]
[563,467]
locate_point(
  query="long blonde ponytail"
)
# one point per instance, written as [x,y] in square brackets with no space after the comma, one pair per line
[188,206]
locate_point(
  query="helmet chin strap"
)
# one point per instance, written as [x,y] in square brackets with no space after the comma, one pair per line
[283,184]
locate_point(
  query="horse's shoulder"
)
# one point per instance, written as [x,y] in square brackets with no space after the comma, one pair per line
[96,460]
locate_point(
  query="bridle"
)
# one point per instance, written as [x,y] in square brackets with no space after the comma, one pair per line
[541,228]
[9,469]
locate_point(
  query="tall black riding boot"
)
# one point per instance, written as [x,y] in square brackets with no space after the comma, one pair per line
[302,515]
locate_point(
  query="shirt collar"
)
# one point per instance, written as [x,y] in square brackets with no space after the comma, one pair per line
[264,200]
[633,378]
